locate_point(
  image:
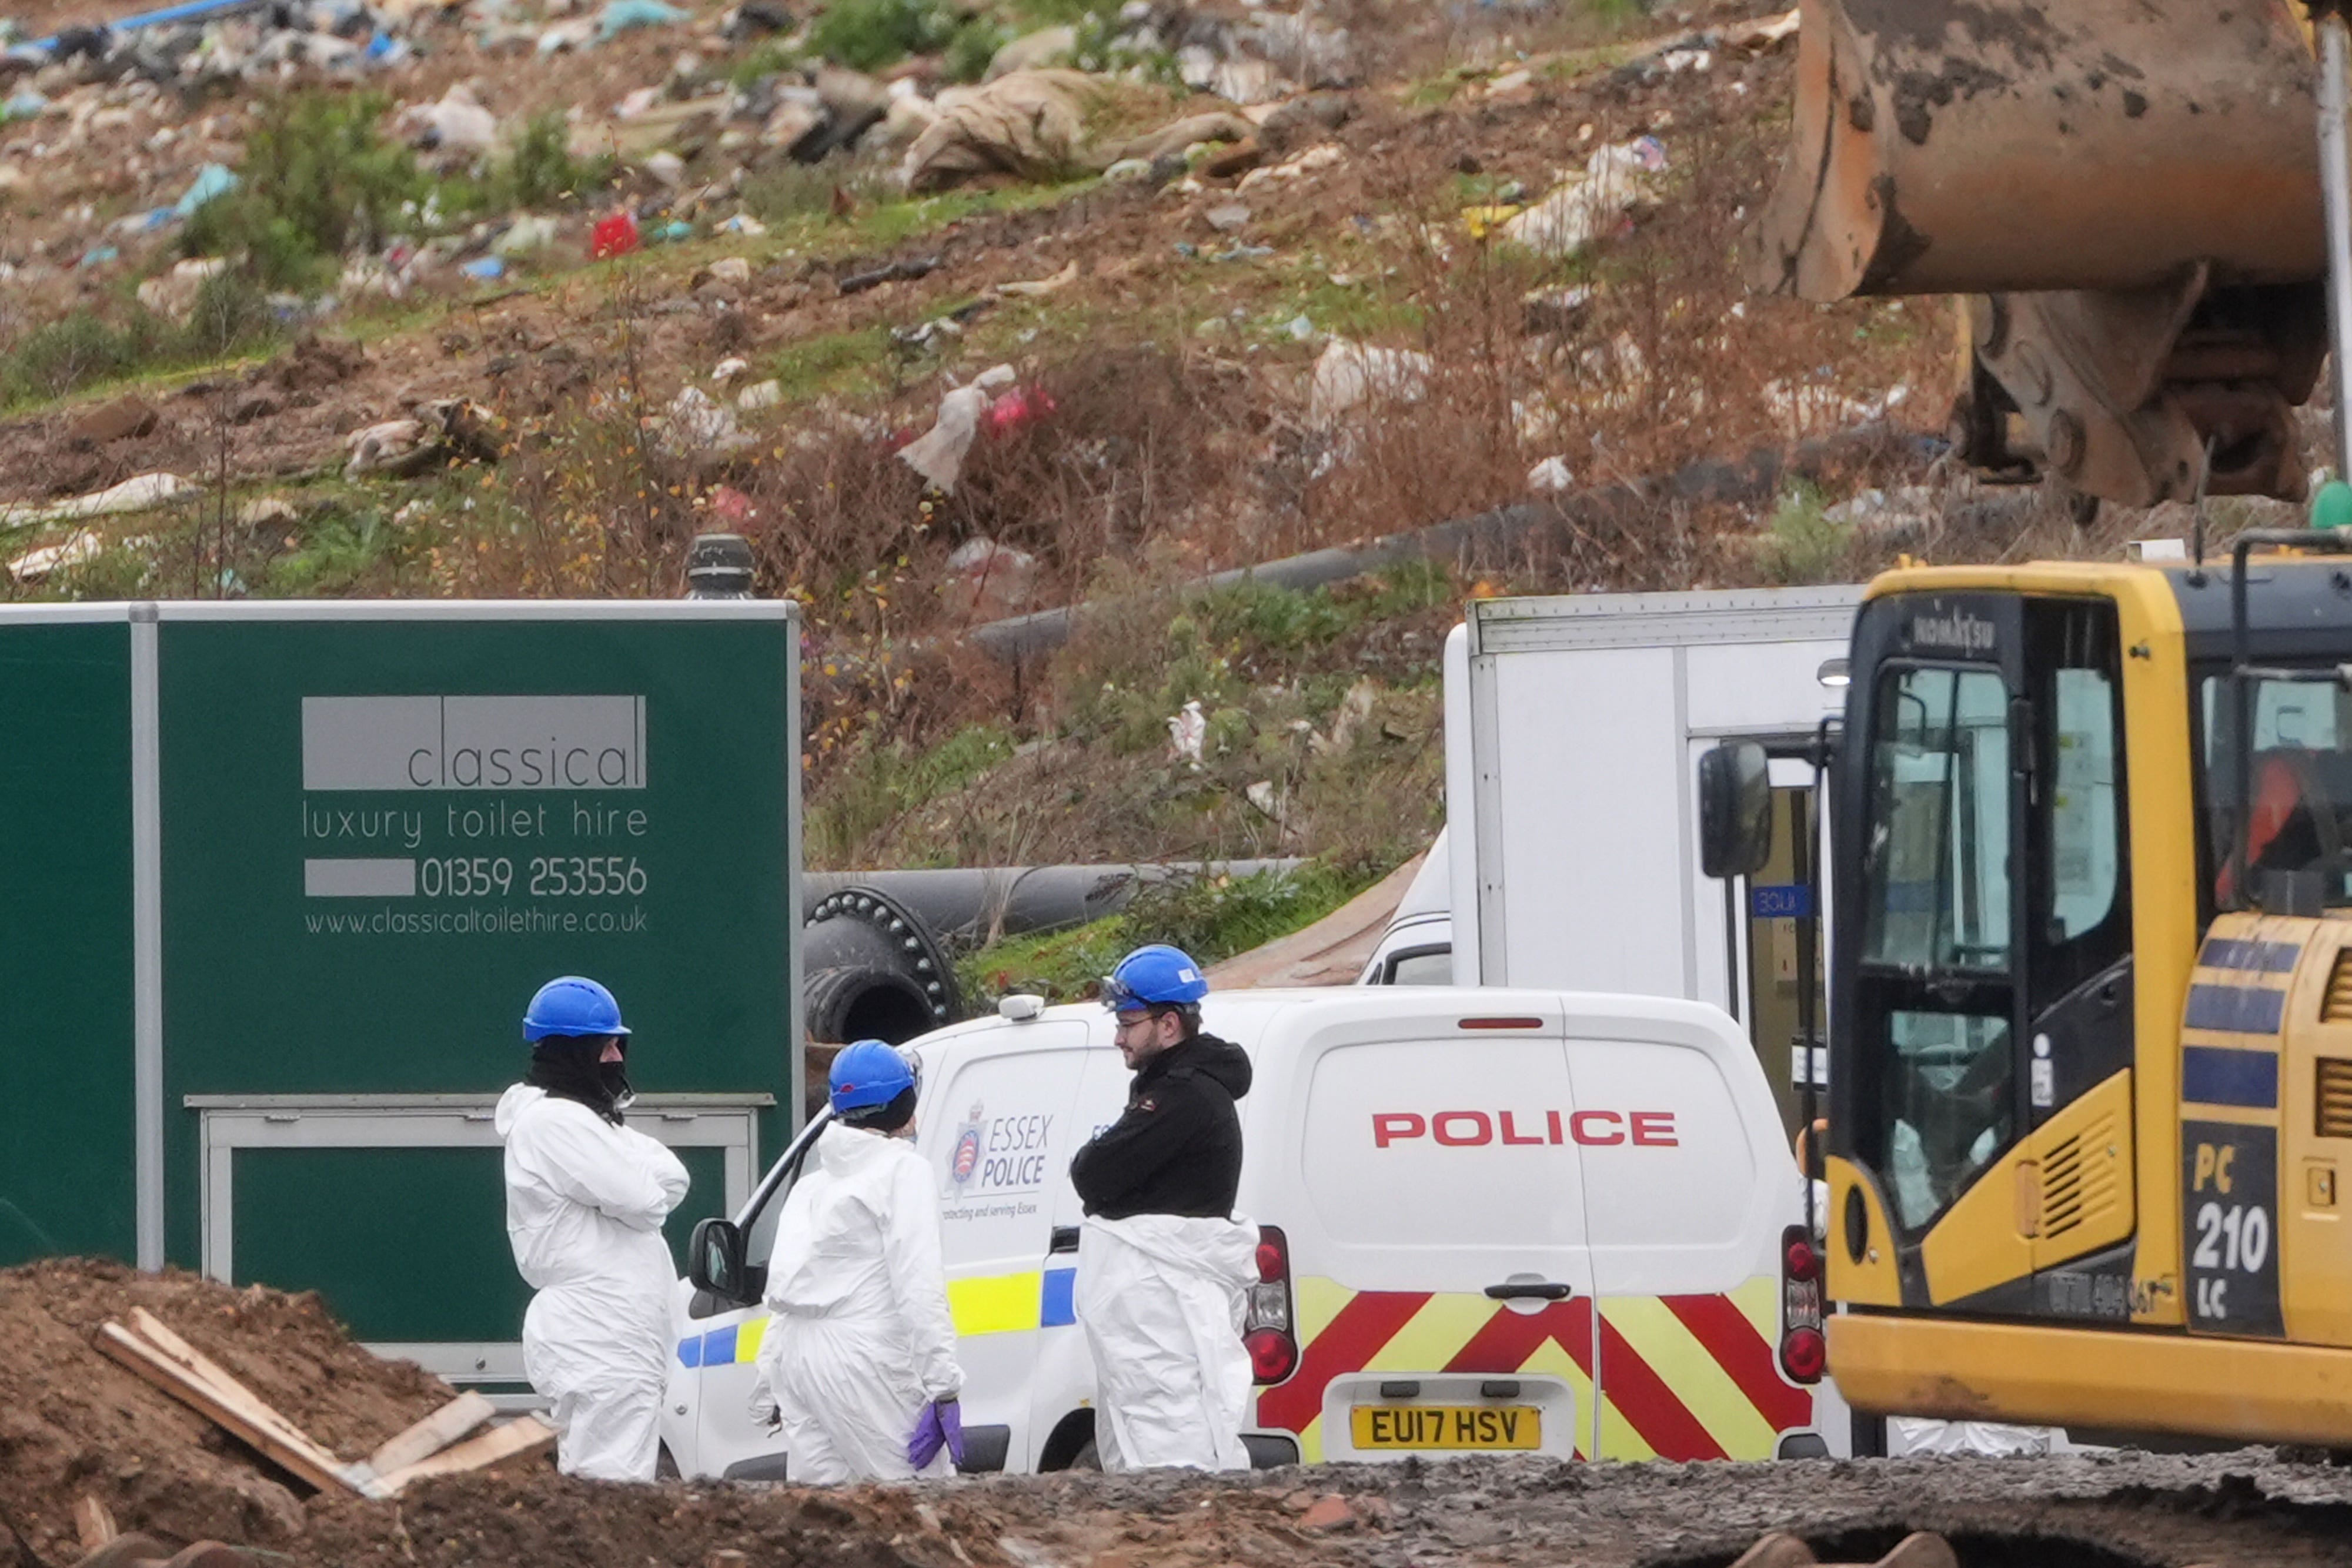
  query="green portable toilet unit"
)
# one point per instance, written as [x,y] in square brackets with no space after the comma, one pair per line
[278,879]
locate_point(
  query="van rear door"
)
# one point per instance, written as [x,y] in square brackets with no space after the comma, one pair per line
[997,1127]
[1687,1188]
[1418,1150]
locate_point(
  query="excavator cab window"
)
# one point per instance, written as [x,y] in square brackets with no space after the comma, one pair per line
[1936,909]
[2303,795]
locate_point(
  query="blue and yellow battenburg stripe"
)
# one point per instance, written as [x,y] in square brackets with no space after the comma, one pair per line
[983,1304]
[2237,1002]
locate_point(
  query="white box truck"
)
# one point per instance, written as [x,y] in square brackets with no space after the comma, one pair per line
[1573,726]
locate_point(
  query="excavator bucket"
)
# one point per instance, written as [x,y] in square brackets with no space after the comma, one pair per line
[2129,187]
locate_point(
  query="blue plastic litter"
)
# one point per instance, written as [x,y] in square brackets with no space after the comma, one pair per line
[485,267]
[100,255]
[26,105]
[670,232]
[621,16]
[213,182]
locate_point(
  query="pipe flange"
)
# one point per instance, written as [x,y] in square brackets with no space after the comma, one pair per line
[914,948]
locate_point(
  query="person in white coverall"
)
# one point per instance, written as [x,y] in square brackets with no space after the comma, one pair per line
[586,1197]
[859,1366]
[1164,1265]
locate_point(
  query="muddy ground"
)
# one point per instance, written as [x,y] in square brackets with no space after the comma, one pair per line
[73,1424]
[2082,1512]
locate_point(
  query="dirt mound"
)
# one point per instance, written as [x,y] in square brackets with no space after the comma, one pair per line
[73,1423]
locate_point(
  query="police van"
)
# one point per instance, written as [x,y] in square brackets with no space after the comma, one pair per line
[1492,1221]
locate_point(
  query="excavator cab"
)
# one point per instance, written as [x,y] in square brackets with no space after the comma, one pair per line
[2090,1020]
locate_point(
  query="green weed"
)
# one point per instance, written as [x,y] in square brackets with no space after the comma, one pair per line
[891,779]
[318,179]
[868,35]
[1803,544]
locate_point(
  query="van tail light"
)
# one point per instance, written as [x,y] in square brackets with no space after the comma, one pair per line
[1266,1331]
[1804,1350]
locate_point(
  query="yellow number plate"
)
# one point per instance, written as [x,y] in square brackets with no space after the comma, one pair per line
[1504,1427]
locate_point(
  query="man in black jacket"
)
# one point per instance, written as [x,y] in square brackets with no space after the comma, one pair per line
[1164,1265]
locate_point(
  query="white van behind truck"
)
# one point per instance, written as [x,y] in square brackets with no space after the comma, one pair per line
[1496,1220]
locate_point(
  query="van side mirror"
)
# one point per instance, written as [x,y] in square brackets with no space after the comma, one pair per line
[714,1259]
[1735,810]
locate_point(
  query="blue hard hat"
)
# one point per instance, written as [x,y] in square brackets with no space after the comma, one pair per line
[572,1005]
[867,1074]
[1158,976]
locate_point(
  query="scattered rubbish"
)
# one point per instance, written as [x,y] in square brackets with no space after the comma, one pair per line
[938,455]
[1188,732]
[98,256]
[486,268]
[906,269]
[675,232]
[524,236]
[695,425]
[1550,476]
[1038,288]
[1030,124]
[734,270]
[457,124]
[144,493]
[666,167]
[267,512]
[1584,209]
[1243,253]
[446,430]
[1349,375]
[761,395]
[615,236]
[743,223]
[627,15]
[1046,47]
[988,581]
[213,182]
[34,565]
[26,104]
[728,369]
[173,295]
[1228,217]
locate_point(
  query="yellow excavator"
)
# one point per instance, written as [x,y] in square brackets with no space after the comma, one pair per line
[2089,826]
[2127,191]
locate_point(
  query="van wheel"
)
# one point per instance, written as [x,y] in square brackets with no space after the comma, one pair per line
[1087,1459]
[666,1465]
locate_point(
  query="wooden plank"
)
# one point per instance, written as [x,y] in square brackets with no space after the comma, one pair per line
[145,1360]
[519,1435]
[433,1434]
[224,1383]
[93,1523]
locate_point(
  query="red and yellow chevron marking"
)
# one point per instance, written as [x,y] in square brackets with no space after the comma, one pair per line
[1682,1377]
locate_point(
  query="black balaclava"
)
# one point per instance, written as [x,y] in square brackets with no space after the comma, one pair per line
[566,1066]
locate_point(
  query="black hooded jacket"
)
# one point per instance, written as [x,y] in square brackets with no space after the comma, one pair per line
[1178,1149]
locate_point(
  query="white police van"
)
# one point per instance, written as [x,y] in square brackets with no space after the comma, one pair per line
[1492,1220]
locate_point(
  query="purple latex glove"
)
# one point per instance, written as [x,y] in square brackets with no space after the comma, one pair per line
[939,1426]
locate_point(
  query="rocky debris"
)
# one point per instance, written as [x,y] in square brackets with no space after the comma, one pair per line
[125,419]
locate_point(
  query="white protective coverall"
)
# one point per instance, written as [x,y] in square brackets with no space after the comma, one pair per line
[1161,1298]
[862,1339]
[585,1202]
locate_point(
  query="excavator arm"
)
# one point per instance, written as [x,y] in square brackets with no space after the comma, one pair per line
[2127,191]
